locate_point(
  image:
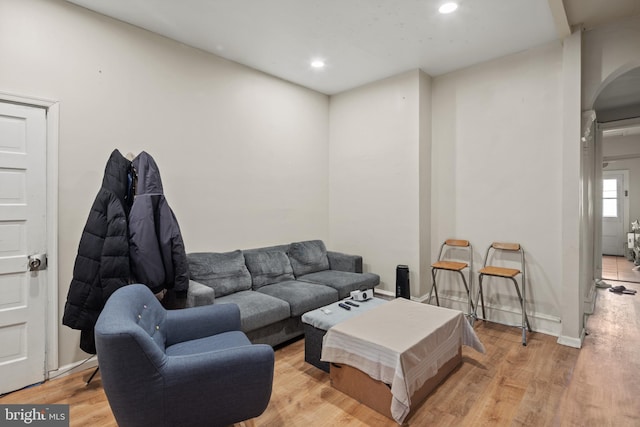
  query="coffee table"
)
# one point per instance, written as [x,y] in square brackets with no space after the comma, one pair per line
[392,356]
[317,322]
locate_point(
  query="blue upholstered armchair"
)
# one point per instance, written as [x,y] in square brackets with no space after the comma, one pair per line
[190,367]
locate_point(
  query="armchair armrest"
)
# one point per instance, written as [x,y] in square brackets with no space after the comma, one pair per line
[198,322]
[345,262]
[237,382]
[199,294]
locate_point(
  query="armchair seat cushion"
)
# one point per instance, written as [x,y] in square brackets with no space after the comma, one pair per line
[342,281]
[257,309]
[223,341]
[301,296]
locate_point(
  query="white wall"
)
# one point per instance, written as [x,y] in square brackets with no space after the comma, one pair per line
[243,155]
[488,168]
[497,171]
[590,211]
[376,143]
[425,184]
[575,244]
[608,52]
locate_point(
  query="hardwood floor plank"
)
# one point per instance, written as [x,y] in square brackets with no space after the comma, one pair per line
[609,267]
[550,377]
[606,382]
[543,384]
[618,268]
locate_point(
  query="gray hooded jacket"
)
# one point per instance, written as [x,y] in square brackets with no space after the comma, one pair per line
[158,257]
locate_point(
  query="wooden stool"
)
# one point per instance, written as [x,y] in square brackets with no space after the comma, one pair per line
[455,266]
[506,273]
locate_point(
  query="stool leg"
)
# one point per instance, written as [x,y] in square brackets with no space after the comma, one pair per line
[464,281]
[434,287]
[475,311]
[481,297]
[525,319]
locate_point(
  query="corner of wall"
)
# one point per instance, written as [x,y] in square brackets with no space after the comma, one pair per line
[571,341]
[424,173]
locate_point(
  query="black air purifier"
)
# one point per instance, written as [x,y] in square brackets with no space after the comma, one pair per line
[402,282]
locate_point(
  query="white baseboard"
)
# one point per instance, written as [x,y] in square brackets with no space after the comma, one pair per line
[72,368]
[571,341]
[384,294]
[543,323]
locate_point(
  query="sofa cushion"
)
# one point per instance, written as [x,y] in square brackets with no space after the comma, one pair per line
[257,309]
[308,257]
[225,272]
[268,267]
[342,281]
[301,296]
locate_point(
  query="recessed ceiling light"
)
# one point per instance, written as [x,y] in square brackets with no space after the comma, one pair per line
[448,7]
[317,63]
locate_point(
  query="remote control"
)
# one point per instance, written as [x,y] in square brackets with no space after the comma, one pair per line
[345,306]
[352,303]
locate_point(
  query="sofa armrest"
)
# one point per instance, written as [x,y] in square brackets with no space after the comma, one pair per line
[345,262]
[199,294]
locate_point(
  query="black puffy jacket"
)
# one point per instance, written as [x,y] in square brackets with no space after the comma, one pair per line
[102,263]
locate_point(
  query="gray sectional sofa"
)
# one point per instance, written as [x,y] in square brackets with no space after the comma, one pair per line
[274,286]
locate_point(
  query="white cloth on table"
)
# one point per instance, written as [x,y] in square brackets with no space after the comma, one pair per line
[402,343]
[321,319]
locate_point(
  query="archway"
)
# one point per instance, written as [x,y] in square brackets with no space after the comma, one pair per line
[619,96]
[617,154]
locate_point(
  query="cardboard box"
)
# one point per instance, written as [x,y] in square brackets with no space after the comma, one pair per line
[376,394]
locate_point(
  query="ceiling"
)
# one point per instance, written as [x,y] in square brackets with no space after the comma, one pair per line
[593,13]
[360,40]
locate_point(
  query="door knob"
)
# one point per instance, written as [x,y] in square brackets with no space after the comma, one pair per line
[37,262]
[34,263]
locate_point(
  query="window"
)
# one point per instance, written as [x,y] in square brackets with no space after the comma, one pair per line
[610,198]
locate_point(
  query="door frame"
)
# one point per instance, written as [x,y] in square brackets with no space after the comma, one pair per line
[597,207]
[626,221]
[52,128]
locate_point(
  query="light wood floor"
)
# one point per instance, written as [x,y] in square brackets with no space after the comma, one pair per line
[543,384]
[619,268]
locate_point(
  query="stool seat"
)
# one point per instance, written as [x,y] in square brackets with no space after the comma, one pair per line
[499,271]
[449,265]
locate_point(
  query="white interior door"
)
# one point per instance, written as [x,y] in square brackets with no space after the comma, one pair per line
[614,239]
[22,243]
